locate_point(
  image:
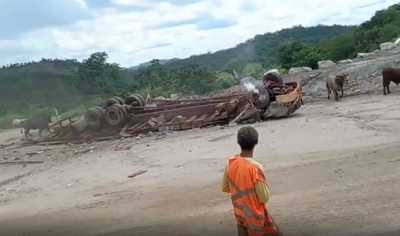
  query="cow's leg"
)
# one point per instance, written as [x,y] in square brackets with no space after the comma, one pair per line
[27,134]
[384,89]
[329,93]
[387,87]
[335,92]
[341,93]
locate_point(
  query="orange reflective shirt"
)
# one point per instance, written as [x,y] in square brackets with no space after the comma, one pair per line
[242,177]
[262,190]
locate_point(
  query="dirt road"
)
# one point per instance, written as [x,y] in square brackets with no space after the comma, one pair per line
[333,169]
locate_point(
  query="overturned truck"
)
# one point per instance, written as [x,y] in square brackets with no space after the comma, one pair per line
[139,113]
[272,97]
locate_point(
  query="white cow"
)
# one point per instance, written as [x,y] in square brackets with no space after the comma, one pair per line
[17,121]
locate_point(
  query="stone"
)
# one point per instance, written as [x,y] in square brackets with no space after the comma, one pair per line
[397,42]
[326,64]
[174,96]
[347,61]
[387,46]
[296,70]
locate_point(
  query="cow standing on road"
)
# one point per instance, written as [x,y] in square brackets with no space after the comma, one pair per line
[390,75]
[34,124]
[335,83]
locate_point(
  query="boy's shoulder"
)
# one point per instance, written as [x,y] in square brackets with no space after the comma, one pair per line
[250,160]
[255,163]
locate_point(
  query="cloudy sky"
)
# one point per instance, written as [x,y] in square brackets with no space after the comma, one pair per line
[135,31]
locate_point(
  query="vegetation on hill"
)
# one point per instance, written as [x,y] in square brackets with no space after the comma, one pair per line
[262,49]
[35,88]
[145,64]
[384,26]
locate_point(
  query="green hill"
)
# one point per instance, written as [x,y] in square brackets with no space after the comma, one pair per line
[144,64]
[262,49]
[384,26]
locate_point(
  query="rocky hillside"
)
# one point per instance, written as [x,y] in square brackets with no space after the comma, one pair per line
[364,75]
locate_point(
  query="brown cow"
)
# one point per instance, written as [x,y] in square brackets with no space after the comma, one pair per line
[390,75]
[335,83]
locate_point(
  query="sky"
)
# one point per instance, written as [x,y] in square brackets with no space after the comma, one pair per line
[136,31]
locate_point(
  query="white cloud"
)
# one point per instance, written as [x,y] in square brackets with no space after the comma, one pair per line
[128,31]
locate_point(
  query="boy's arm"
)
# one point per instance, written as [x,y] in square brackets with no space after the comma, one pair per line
[262,191]
[225,184]
[261,188]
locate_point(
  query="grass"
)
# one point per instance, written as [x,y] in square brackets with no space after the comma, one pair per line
[6,121]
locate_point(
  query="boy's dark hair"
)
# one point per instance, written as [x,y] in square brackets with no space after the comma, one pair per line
[247,138]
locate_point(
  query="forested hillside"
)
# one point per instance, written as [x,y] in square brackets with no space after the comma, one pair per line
[144,64]
[263,49]
[35,88]
[384,26]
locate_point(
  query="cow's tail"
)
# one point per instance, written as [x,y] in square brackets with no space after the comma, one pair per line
[328,86]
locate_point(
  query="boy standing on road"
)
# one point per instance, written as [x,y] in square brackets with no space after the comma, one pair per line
[244,179]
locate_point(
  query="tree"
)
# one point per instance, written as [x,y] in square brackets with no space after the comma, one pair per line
[287,54]
[194,79]
[96,76]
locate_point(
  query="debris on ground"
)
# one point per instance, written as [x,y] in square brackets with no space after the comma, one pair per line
[364,75]
[137,173]
[20,162]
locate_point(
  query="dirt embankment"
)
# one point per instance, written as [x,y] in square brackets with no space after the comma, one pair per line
[364,75]
[331,168]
